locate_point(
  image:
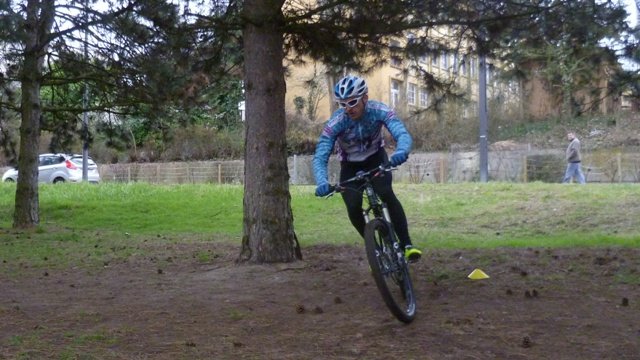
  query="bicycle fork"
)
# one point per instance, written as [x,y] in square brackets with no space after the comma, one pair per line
[375,205]
[380,209]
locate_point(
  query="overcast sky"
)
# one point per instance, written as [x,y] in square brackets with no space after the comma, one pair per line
[631,9]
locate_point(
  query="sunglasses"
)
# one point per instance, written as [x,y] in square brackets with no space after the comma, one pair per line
[351,103]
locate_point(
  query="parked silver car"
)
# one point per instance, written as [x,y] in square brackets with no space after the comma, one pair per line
[93,175]
[57,168]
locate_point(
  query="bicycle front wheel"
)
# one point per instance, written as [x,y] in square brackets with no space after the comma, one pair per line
[390,270]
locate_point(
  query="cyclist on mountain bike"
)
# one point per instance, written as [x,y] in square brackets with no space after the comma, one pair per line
[357,128]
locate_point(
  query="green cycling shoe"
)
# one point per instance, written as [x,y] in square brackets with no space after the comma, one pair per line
[412,254]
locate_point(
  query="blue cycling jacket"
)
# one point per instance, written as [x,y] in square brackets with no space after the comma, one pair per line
[358,139]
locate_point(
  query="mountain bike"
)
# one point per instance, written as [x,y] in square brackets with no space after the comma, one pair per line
[386,258]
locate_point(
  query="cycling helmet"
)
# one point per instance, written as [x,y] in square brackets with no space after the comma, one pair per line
[350,86]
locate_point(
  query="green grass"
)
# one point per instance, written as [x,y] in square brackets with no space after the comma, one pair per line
[535,214]
[82,223]
[143,209]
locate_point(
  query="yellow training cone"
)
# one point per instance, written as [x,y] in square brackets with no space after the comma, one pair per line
[478,274]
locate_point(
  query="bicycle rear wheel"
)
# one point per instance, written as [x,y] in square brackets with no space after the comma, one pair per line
[390,270]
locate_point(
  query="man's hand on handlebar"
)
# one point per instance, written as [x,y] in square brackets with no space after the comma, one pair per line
[323,190]
[398,158]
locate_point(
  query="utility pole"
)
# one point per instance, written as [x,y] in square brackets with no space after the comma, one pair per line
[482,112]
[85,105]
[482,96]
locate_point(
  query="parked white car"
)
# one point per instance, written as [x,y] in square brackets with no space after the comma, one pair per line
[57,168]
[93,175]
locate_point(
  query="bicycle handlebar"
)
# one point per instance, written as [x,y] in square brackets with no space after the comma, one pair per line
[361,175]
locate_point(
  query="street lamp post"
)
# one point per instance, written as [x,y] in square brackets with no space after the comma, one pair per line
[85,104]
[482,112]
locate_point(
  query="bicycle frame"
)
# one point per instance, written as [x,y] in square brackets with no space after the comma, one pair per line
[374,204]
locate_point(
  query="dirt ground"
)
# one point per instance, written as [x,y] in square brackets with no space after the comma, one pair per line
[537,304]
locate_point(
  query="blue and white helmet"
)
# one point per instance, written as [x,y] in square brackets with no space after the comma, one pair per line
[350,86]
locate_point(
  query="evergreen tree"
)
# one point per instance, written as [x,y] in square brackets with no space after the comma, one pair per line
[357,35]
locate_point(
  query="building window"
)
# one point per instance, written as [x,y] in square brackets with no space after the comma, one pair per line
[396,61]
[411,38]
[395,93]
[424,97]
[472,66]
[411,94]
[463,65]
[434,59]
[445,60]
[455,63]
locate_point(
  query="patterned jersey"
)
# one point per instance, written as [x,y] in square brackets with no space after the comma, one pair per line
[358,139]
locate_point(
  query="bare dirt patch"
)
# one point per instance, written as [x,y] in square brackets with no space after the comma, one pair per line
[537,304]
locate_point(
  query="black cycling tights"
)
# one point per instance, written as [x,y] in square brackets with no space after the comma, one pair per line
[382,186]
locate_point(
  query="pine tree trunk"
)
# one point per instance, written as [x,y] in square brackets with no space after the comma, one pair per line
[268,234]
[37,28]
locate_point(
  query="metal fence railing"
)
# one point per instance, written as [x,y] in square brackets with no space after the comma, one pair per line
[454,166]
[221,172]
[599,166]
